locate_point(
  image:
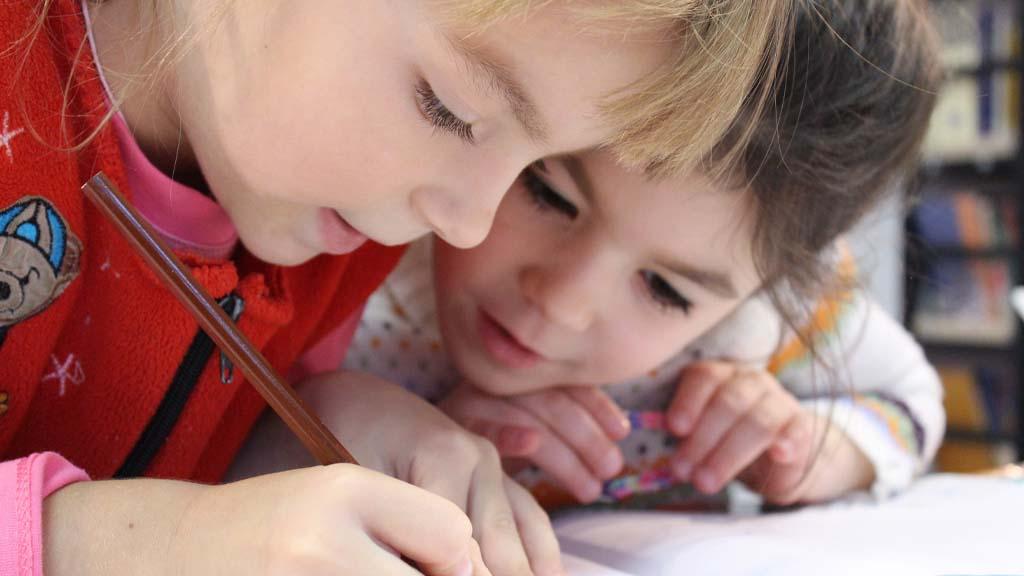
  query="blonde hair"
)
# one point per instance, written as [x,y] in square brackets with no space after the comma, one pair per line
[725,60]
[726,56]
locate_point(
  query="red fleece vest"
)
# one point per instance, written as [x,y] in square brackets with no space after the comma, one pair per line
[90,341]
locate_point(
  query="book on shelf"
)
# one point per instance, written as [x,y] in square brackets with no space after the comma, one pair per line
[976,115]
[966,302]
[967,218]
[975,120]
[978,399]
[975,30]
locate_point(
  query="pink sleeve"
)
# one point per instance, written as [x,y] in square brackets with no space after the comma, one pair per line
[23,485]
[327,354]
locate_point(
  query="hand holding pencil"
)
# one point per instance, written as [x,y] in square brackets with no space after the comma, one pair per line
[322,520]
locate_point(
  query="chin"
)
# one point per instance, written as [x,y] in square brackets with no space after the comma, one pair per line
[285,253]
[503,385]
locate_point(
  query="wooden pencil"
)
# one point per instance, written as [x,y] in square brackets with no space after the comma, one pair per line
[281,397]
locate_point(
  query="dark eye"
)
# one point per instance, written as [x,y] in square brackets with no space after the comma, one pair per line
[440,116]
[545,197]
[664,294]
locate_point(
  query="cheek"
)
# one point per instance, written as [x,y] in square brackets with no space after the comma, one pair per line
[495,262]
[629,349]
[453,270]
[335,127]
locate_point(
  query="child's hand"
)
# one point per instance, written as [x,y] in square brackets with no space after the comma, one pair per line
[392,430]
[731,418]
[339,519]
[570,433]
[742,423]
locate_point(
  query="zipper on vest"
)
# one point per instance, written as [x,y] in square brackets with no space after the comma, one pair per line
[173,404]
[233,305]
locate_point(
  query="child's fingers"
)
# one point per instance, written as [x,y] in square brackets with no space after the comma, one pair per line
[476,557]
[781,482]
[512,441]
[494,522]
[535,530]
[793,442]
[551,454]
[575,426]
[383,561]
[429,530]
[560,462]
[724,409]
[750,437]
[697,384]
[465,404]
[514,431]
[603,409]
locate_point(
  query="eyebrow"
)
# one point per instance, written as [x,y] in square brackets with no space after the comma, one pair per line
[499,77]
[711,280]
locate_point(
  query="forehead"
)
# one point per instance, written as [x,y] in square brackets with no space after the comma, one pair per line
[688,217]
[568,68]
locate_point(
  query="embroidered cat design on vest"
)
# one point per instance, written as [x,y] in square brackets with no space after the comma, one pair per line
[39,257]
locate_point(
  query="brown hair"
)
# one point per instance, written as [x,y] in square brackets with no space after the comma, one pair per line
[851,104]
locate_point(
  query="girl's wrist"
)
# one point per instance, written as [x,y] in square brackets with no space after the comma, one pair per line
[116,527]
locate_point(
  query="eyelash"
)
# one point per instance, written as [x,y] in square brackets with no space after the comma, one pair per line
[664,294]
[440,116]
[658,289]
[546,198]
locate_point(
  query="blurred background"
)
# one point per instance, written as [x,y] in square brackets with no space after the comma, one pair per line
[946,254]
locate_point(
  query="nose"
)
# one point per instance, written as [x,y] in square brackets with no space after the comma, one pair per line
[563,293]
[463,223]
[462,214]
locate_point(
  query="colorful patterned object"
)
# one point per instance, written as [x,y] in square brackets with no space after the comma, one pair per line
[654,479]
[646,420]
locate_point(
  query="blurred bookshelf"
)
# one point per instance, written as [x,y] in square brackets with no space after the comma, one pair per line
[963,248]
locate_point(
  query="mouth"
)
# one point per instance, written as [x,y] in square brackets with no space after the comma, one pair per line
[337,235]
[503,346]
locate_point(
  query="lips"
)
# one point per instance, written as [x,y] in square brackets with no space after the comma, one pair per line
[503,346]
[337,235]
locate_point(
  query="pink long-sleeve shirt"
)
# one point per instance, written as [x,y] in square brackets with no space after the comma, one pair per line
[24,483]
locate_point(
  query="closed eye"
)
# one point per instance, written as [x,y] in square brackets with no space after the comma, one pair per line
[546,198]
[664,294]
[439,116]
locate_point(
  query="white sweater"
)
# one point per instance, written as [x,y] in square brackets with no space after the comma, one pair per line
[878,387]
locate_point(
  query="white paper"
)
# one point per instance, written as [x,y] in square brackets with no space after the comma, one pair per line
[945,524]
